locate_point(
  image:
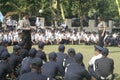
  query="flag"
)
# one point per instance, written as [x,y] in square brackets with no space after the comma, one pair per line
[1,17]
[54,4]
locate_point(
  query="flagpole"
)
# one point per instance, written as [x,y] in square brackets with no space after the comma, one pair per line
[62,11]
[118,6]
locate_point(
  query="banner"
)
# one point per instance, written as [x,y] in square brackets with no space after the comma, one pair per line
[117,2]
[1,17]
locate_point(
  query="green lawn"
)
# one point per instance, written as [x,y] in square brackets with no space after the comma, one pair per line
[88,52]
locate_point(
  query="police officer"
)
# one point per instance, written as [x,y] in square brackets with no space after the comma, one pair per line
[104,67]
[75,71]
[70,59]
[26,61]
[52,68]
[23,52]
[5,67]
[40,53]
[35,73]
[101,31]
[3,46]
[26,33]
[61,55]
[15,59]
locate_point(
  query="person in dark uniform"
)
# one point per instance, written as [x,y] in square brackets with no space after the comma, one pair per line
[118,40]
[23,52]
[35,73]
[101,31]
[26,61]
[70,59]
[104,67]
[26,31]
[61,55]
[4,66]
[15,59]
[75,71]
[40,53]
[52,68]
[3,47]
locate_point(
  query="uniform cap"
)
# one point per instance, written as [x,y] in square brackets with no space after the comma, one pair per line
[37,62]
[40,44]
[21,43]
[5,55]
[98,48]
[105,51]
[32,52]
[4,42]
[16,47]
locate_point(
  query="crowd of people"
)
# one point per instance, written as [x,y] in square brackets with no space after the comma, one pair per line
[22,64]
[27,63]
[61,35]
[52,36]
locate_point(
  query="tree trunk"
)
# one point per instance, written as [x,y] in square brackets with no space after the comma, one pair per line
[81,22]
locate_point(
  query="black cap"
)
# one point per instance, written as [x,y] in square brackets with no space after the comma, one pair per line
[5,55]
[105,51]
[40,44]
[37,62]
[98,48]
[52,55]
[16,47]
[4,42]
[78,57]
[71,52]
[32,52]
[21,43]
[61,47]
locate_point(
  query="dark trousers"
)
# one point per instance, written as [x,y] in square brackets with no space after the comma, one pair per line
[101,38]
[26,38]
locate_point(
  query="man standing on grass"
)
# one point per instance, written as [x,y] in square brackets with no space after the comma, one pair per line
[26,33]
[101,31]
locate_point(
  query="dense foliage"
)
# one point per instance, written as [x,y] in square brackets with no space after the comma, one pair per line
[57,10]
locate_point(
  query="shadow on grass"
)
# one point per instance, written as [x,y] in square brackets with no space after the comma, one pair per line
[117,76]
[114,51]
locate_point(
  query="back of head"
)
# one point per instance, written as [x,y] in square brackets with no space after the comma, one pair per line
[105,52]
[4,42]
[52,56]
[5,55]
[61,48]
[71,52]
[16,48]
[36,63]
[21,43]
[78,57]
[32,52]
[40,45]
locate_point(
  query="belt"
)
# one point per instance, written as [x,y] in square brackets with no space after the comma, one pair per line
[109,77]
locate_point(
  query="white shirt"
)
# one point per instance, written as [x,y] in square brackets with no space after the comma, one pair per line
[93,59]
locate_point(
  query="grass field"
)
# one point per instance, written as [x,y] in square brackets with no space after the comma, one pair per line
[88,52]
